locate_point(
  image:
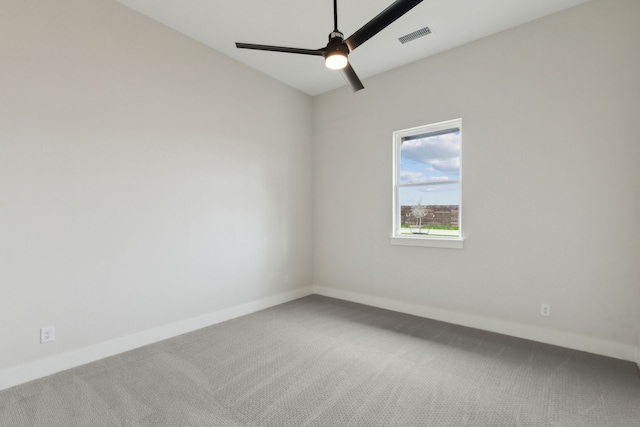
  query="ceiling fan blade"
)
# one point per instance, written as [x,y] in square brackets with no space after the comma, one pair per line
[319,52]
[352,78]
[380,22]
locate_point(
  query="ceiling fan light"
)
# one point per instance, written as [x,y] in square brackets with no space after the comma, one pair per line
[336,60]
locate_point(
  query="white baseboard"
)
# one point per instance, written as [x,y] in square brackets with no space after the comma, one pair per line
[60,362]
[534,333]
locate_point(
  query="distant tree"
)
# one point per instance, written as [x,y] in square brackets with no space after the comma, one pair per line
[419,211]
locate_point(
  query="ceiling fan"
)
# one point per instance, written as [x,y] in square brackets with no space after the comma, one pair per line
[338,49]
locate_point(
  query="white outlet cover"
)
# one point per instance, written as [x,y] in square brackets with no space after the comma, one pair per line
[47,334]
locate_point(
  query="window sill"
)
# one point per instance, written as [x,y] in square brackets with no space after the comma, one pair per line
[429,242]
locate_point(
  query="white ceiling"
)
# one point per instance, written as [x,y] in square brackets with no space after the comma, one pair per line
[307,24]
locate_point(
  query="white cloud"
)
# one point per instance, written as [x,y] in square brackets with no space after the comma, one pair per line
[446,165]
[440,152]
[409,177]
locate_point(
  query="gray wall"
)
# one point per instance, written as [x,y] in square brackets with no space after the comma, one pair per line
[145,180]
[550,112]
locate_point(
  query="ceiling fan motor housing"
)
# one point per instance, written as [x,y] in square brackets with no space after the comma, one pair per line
[336,43]
[336,52]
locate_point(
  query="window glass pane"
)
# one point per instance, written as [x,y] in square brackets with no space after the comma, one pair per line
[430,209]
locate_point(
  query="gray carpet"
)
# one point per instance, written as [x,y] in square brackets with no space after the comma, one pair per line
[324,362]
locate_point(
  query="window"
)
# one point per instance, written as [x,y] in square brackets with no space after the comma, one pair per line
[427,185]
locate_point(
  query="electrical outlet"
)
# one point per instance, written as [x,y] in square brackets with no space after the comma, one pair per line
[286,279]
[545,310]
[47,334]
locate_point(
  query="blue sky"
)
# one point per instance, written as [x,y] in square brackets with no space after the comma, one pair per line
[432,160]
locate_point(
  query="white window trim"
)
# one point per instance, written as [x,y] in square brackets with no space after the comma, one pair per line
[423,240]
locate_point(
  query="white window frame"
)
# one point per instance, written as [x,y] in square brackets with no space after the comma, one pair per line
[397,238]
